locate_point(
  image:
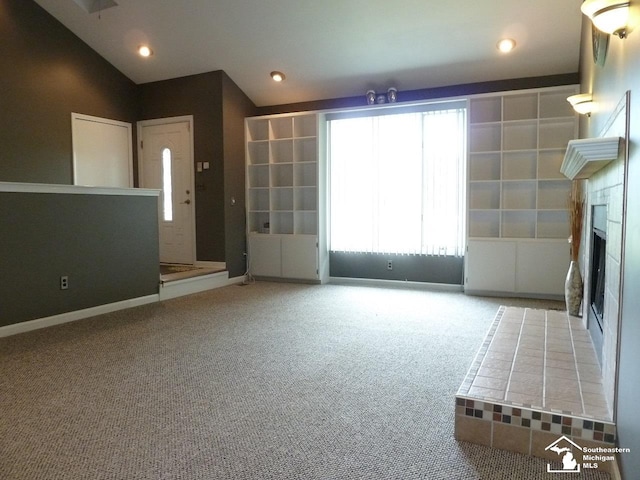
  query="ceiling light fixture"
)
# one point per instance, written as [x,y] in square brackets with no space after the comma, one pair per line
[608,16]
[582,103]
[277,76]
[144,51]
[506,45]
[373,98]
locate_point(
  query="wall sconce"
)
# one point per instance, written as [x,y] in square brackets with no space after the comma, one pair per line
[608,16]
[582,103]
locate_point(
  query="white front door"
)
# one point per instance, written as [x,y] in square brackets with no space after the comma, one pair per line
[166,163]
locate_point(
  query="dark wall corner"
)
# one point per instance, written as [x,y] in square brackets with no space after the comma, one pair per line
[236,107]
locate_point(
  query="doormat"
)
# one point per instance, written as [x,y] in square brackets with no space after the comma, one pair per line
[168,269]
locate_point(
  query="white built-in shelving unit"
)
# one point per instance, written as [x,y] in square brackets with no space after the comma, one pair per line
[517,196]
[517,142]
[283,181]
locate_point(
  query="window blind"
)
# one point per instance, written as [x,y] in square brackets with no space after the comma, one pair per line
[397,182]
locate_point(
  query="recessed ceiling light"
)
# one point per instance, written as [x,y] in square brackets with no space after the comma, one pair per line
[506,45]
[145,51]
[277,76]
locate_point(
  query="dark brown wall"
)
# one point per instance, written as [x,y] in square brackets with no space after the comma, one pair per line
[106,244]
[218,107]
[236,106]
[431,93]
[608,85]
[200,96]
[46,74]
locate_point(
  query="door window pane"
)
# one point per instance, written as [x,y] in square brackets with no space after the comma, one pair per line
[167,194]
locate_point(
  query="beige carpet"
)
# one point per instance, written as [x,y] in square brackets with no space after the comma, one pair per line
[267,381]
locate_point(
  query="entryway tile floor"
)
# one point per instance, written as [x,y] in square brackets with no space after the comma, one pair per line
[173,272]
[543,359]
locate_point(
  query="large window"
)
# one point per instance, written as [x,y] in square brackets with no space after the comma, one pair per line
[397,182]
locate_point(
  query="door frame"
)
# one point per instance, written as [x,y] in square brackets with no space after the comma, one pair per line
[192,181]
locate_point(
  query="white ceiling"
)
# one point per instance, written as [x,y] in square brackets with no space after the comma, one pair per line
[331,48]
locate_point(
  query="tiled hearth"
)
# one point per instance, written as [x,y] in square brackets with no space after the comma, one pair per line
[535,378]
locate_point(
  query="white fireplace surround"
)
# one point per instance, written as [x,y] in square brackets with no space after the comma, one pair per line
[605,185]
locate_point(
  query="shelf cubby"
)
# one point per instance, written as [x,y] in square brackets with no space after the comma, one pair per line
[553,194]
[282,199]
[485,110]
[258,152]
[305,126]
[520,107]
[305,199]
[306,223]
[519,224]
[281,223]
[484,166]
[282,151]
[304,149]
[554,104]
[305,174]
[484,223]
[259,199]
[258,130]
[484,195]
[257,221]
[519,195]
[485,138]
[519,165]
[281,127]
[557,133]
[281,175]
[258,176]
[549,162]
[522,135]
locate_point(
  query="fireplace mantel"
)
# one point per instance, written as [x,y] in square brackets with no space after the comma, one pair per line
[586,156]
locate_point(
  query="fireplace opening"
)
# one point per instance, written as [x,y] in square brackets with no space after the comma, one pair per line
[597,277]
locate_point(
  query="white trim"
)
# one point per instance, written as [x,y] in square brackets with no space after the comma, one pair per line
[585,156]
[373,282]
[165,121]
[38,323]
[14,187]
[187,286]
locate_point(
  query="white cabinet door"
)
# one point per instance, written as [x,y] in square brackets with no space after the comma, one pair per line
[491,266]
[265,257]
[300,257]
[541,267]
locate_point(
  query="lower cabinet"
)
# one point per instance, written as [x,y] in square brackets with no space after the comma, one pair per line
[527,267]
[284,256]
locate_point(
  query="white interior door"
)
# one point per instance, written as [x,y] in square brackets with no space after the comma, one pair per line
[166,163]
[102,152]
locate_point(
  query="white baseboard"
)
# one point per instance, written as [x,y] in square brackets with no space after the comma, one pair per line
[187,286]
[29,325]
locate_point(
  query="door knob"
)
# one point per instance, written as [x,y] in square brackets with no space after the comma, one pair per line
[187,202]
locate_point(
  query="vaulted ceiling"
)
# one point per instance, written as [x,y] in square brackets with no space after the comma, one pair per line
[330,48]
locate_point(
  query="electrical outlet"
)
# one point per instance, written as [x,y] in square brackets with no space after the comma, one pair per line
[390,265]
[64,282]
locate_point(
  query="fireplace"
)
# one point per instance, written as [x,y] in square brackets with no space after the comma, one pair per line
[597,284]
